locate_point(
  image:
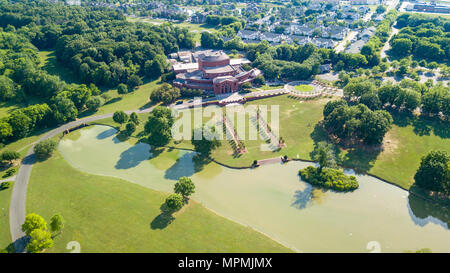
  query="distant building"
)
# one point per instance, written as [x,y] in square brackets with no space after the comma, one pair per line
[213,72]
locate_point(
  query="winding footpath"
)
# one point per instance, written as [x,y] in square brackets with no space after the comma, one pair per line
[17,210]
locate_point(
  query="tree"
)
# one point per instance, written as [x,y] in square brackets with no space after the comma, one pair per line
[159,126]
[9,156]
[130,128]
[134,118]
[56,223]
[45,148]
[259,80]
[5,131]
[333,104]
[134,81]
[32,222]
[39,240]
[324,155]
[20,123]
[94,103]
[371,100]
[165,94]
[184,186]
[374,125]
[434,172]
[122,88]
[402,47]
[174,201]
[207,143]
[380,9]
[120,117]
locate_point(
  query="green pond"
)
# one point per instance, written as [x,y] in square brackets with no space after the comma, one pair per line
[273,200]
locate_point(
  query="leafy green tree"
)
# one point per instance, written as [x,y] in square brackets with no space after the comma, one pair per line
[207,143]
[56,223]
[21,124]
[94,103]
[64,109]
[122,88]
[324,155]
[130,128]
[32,222]
[45,148]
[39,240]
[120,117]
[9,156]
[371,100]
[174,201]
[134,118]
[134,81]
[7,88]
[6,131]
[434,172]
[159,126]
[333,104]
[401,47]
[184,186]
[165,94]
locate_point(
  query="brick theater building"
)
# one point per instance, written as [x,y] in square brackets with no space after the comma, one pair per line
[213,72]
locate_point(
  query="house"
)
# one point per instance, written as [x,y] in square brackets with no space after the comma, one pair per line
[199,17]
[367,33]
[325,68]
[248,34]
[271,37]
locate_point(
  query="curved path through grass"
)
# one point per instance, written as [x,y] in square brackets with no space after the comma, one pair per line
[17,208]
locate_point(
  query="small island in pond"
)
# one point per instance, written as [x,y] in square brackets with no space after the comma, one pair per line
[327,175]
[329,178]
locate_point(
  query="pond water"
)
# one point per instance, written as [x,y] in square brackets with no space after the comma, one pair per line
[272,199]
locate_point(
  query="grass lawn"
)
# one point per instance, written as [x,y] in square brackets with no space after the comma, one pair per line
[5,235]
[396,161]
[271,87]
[106,214]
[304,88]
[403,147]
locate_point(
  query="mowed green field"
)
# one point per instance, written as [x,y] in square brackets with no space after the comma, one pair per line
[5,235]
[106,214]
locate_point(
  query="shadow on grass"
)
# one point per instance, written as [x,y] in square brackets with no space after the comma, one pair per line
[423,125]
[359,157]
[164,219]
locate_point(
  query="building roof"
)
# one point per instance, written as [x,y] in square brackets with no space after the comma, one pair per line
[218,69]
[213,56]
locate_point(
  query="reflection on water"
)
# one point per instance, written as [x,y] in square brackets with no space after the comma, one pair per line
[303,197]
[423,212]
[133,156]
[182,167]
[272,198]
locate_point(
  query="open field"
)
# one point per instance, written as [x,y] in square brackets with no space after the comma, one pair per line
[5,235]
[98,211]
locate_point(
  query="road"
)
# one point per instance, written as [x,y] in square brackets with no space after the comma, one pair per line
[341,46]
[17,210]
[387,46]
